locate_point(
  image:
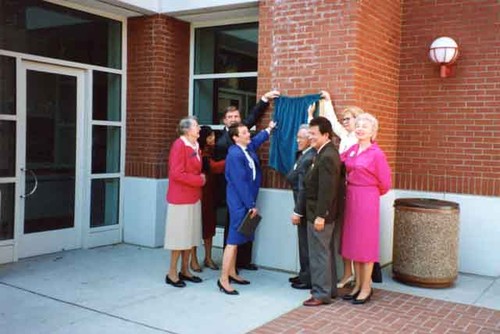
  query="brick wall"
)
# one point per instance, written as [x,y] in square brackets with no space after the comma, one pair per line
[376,67]
[157,92]
[349,48]
[304,47]
[449,129]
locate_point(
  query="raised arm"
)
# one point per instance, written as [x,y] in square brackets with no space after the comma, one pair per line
[259,108]
[338,128]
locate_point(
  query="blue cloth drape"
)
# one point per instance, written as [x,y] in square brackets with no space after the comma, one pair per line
[289,113]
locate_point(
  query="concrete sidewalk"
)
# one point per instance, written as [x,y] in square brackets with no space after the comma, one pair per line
[121,289]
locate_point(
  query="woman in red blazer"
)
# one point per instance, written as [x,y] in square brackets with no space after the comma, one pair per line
[183,223]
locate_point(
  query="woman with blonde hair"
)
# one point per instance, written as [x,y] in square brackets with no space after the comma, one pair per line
[368,178]
[345,131]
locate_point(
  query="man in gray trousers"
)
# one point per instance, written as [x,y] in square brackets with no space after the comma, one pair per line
[322,183]
[305,156]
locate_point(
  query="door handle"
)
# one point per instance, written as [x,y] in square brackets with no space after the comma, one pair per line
[36,182]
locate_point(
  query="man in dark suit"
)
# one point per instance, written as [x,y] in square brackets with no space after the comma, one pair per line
[322,183]
[232,116]
[305,156]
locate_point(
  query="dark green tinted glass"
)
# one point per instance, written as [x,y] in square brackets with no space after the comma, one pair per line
[105,202]
[226,49]
[41,28]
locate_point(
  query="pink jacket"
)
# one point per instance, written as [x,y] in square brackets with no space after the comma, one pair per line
[184,174]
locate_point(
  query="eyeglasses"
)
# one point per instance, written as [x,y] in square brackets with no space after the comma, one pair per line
[346,119]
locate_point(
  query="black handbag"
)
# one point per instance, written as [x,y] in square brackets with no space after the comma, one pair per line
[249,225]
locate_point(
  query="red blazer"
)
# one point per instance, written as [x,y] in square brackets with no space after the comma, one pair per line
[184,174]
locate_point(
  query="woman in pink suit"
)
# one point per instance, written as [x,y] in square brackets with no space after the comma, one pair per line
[368,177]
[183,224]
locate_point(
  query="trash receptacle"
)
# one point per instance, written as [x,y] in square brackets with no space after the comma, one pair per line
[425,248]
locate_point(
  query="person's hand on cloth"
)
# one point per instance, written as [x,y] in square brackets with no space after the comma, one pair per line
[270,95]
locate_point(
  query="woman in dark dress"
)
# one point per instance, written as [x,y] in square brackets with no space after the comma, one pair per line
[208,209]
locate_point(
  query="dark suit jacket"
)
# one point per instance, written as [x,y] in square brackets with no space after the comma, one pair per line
[322,185]
[224,141]
[296,179]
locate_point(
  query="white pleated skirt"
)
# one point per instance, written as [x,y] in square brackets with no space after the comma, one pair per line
[183,226]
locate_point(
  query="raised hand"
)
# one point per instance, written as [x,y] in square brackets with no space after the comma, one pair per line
[271,95]
[325,95]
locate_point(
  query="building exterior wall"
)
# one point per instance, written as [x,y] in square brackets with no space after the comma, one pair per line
[449,129]
[304,47]
[441,135]
[157,93]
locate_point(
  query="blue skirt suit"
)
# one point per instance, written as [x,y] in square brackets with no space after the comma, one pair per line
[242,188]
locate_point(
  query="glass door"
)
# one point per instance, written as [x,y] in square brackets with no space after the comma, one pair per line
[50,120]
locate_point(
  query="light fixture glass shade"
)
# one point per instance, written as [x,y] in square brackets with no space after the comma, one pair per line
[443,50]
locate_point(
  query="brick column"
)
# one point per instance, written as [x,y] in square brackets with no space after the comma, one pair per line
[349,48]
[157,92]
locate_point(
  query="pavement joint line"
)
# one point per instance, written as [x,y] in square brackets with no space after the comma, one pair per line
[87,308]
[483,293]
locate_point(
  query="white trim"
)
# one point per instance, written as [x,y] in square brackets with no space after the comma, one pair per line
[193,77]
[89,10]
[4,117]
[225,75]
[87,164]
[8,242]
[60,62]
[217,23]
[107,123]
[20,148]
[191,71]
[103,176]
[7,180]
[66,238]
[124,127]
[105,228]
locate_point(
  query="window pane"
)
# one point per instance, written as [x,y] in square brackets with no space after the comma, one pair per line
[226,49]
[105,199]
[7,149]
[107,96]
[51,119]
[7,85]
[45,29]
[213,96]
[105,149]
[7,211]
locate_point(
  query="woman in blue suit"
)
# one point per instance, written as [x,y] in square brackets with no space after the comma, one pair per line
[243,176]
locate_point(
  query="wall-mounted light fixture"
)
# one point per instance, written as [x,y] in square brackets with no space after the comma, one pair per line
[444,51]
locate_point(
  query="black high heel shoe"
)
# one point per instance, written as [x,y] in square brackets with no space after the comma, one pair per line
[179,284]
[227,292]
[351,296]
[234,280]
[364,300]
[194,279]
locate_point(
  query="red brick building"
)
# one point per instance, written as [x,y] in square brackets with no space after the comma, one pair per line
[441,135]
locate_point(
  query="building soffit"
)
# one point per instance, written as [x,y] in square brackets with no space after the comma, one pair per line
[190,11]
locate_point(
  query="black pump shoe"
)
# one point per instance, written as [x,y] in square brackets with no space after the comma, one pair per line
[351,296]
[364,300]
[194,279]
[227,292]
[242,282]
[178,284]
